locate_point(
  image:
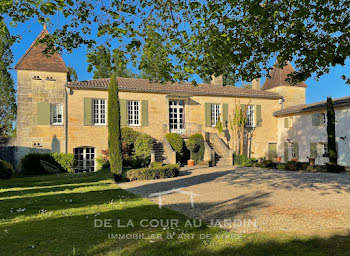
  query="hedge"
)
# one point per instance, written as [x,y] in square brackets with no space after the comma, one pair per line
[195,144]
[243,160]
[160,172]
[31,162]
[177,143]
[6,170]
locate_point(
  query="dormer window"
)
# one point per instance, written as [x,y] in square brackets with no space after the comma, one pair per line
[36,78]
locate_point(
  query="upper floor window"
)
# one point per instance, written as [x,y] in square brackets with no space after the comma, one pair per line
[99,111]
[215,114]
[133,113]
[323,118]
[56,114]
[250,116]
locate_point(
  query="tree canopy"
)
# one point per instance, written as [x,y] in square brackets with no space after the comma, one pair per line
[205,37]
[7,91]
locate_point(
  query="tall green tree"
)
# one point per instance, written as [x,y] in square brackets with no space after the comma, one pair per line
[7,91]
[103,63]
[332,145]
[72,74]
[114,133]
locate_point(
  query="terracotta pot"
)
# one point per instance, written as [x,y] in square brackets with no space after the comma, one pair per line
[294,159]
[190,162]
[312,161]
[278,159]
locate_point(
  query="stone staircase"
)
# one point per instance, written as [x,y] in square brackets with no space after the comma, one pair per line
[223,155]
[163,152]
[158,149]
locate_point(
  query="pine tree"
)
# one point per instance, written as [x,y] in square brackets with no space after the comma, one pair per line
[114,133]
[332,146]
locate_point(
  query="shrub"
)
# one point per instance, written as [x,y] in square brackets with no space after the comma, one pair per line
[281,166]
[292,166]
[166,171]
[6,170]
[331,167]
[129,135]
[156,164]
[266,164]
[144,146]
[65,161]
[177,143]
[31,163]
[139,161]
[242,160]
[195,144]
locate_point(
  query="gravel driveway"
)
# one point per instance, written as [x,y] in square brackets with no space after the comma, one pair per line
[253,199]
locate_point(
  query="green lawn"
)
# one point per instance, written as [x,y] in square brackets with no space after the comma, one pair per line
[54,215]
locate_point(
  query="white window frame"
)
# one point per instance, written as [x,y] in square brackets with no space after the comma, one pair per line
[325,149]
[54,114]
[215,111]
[250,116]
[83,155]
[133,110]
[323,118]
[99,111]
[292,150]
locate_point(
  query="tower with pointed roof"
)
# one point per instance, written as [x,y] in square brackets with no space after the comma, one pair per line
[293,94]
[41,81]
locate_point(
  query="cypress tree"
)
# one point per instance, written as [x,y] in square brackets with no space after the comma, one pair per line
[332,146]
[114,133]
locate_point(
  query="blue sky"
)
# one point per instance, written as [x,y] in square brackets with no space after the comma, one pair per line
[328,85]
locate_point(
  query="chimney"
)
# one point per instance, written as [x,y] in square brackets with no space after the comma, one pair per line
[256,84]
[217,80]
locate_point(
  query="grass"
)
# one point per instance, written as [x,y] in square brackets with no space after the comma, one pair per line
[54,215]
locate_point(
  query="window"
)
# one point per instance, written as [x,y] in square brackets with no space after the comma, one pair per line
[292,149]
[290,122]
[56,114]
[250,116]
[133,113]
[99,111]
[215,114]
[85,158]
[325,150]
[323,118]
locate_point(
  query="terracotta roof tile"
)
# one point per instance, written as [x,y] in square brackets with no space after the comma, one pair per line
[144,85]
[33,59]
[339,102]
[278,77]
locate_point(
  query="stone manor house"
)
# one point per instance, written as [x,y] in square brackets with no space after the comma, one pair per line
[60,116]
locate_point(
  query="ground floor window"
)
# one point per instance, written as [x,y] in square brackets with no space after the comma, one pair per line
[293,150]
[85,158]
[325,150]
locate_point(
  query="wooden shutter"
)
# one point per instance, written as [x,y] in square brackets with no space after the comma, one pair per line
[123,112]
[286,152]
[313,150]
[207,115]
[316,119]
[225,114]
[43,113]
[296,148]
[258,116]
[144,112]
[286,122]
[243,107]
[87,111]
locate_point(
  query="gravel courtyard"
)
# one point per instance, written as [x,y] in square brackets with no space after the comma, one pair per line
[254,200]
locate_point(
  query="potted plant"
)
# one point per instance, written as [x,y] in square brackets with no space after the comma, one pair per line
[192,147]
[278,159]
[294,159]
[312,161]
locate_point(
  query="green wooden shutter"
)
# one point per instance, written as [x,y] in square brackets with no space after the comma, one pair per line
[316,119]
[123,112]
[243,107]
[87,111]
[296,148]
[286,152]
[144,110]
[43,113]
[286,122]
[207,115]
[258,116]
[313,150]
[225,114]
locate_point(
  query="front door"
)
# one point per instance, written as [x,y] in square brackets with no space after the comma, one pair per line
[176,116]
[272,151]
